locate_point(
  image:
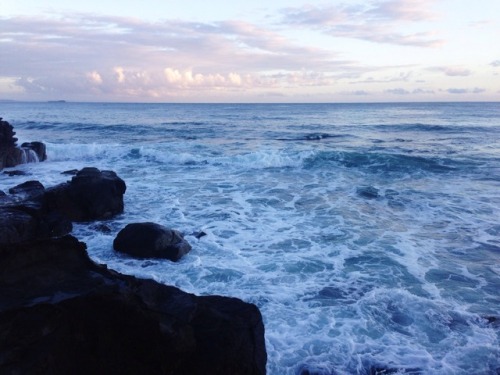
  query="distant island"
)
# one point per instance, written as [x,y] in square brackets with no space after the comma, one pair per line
[57,101]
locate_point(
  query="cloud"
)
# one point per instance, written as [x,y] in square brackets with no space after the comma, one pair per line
[408,10]
[374,21]
[475,90]
[124,56]
[398,91]
[495,63]
[95,77]
[452,71]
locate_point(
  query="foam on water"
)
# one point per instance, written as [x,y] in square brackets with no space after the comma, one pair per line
[361,255]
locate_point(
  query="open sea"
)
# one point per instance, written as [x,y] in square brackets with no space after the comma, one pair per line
[367,234]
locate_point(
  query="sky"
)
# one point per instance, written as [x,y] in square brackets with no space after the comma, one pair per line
[250,51]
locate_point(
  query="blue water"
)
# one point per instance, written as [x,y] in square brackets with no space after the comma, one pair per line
[367,234]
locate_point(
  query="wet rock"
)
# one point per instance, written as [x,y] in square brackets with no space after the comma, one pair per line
[368,192]
[90,195]
[38,148]
[60,313]
[199,234]
[29,222]
[15,173]
[71,172]
[28,189]
[150,240]
[11,155]
[31,211]
[99,227]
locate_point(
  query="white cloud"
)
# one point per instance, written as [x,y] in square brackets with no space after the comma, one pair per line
[95,77]
[120,75]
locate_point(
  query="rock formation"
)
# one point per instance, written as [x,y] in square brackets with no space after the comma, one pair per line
[90,195]
[150,240]
[60,313]
[11,155]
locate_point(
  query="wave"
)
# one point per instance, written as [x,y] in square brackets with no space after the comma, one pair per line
[421,127]
[386,163]
[314,137]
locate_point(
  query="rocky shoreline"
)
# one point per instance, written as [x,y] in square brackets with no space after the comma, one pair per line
[61,313]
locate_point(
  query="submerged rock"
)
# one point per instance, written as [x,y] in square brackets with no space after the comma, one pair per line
[60,313]
[150,240]
[368,192]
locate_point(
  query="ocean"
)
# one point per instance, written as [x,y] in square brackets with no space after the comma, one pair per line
[367,234]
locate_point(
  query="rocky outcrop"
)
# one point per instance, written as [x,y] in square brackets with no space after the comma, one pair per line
[90,195]
[150,240]
[24,217]
[32,212]
[11,155]
[60,313]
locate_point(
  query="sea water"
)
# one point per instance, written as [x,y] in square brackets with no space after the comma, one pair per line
[367,234]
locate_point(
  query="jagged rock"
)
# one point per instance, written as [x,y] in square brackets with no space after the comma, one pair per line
[60,313]
[90,195]
[150,240]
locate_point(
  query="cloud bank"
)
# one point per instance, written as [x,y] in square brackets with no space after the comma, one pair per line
[372,21]
[89,57]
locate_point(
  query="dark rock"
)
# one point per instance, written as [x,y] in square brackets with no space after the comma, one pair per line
[71,172]
[2,194]
[15,173]
[90,195]
[33,212]
[29,221]
[150,240]
[99,227]
[368,192]
[11,155]
[60,313]
[199,234]
[29,189]
[38,148]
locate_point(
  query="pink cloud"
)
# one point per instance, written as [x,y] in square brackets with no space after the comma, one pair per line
[375,21]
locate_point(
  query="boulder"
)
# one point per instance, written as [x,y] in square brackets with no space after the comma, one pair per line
[151,240]
[90,195]
[28,189]
[60,313]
